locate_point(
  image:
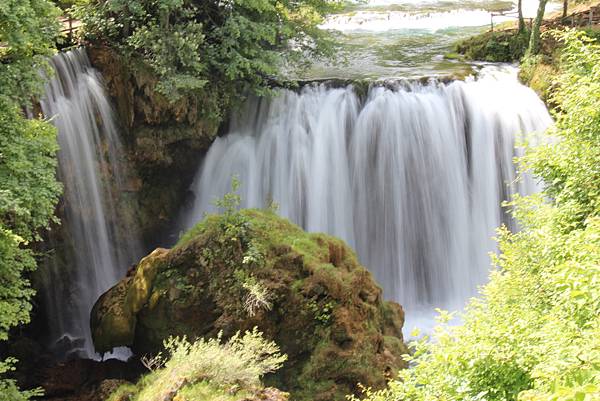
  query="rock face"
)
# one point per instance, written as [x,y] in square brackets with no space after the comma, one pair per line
[232,272]
[164,138]
[83,379]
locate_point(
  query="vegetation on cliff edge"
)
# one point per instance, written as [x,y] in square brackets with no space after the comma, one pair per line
[28,187]
[534,333]
[219,50]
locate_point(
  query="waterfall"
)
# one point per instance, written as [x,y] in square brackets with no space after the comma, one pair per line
[412,176]
[95,253]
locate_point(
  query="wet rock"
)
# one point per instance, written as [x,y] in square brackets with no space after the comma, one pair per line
[164,138]
[84,379]
[307,292]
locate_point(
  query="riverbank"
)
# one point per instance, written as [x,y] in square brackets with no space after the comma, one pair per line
[507,44]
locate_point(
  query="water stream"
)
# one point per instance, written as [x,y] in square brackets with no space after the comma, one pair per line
[96,252]
[410,176]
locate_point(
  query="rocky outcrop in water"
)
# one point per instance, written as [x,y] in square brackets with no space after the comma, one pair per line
[307,292]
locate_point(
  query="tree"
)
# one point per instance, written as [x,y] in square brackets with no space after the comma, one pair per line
[534,40]
[565,8]
[28,187]
[211,48]
[27,31]
[521,19]
[533,334]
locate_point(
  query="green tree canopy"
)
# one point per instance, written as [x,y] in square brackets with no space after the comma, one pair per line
[28,187]
[28,29]
[211,46]
[534,334]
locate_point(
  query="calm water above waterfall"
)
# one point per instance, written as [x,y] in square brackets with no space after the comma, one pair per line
[96,253]
[412,177]
[409,38]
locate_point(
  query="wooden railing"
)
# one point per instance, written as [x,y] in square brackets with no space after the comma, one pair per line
[582,18]
[577,19]
[509,14]
[69,27]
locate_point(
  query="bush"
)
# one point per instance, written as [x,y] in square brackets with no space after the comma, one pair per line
[534,333]
[207,369]
[496,46]
[216,49]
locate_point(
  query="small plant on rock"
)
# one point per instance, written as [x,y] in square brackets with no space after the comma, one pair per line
[257,298]
[210,367]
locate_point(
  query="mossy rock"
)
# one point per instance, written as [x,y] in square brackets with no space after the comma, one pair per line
[494,46]
[314,300]
[540,76]
[163,137]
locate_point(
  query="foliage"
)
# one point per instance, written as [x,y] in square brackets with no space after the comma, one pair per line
[28,188]
[206,369]
[257,297]
[28,194]
[220,49]
[66,4]
[496,46]
[27,33]
[570,167]
[8,388]
[534,333]
[322,312]
[231,200]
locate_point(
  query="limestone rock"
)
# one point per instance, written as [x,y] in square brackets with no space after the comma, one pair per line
[307,292]
[164,138]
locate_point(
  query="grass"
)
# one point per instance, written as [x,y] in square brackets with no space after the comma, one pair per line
[208,370]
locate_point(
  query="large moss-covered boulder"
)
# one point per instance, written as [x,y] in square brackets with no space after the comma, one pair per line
[235,271]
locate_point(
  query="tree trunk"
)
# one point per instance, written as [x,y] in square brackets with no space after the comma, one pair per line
[565,8]
[534,40]
[521,20]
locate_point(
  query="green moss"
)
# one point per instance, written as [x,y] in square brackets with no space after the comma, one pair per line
[453,56]
[141,284]
[206,391]
[125,392]
[496,46]
[305,291]
[196,230]
[539,73]
[112,319]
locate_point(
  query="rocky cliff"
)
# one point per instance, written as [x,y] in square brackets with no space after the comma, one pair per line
[165,139]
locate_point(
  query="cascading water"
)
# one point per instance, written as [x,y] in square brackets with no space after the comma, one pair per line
[411,177]
[91,168]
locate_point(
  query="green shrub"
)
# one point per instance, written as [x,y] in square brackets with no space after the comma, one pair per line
[210,48]
[494,46]
[534,332]
[206,369]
